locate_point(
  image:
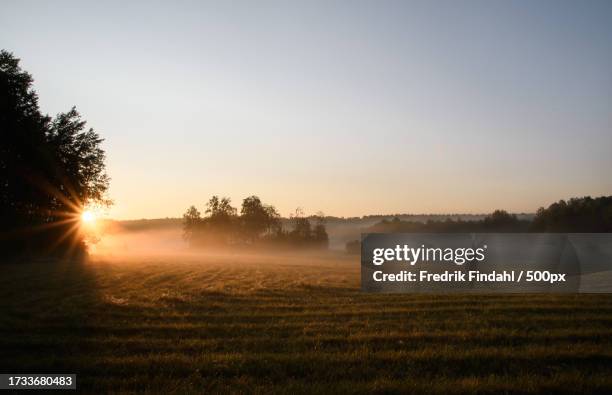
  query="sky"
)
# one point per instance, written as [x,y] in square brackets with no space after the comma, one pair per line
[345,107]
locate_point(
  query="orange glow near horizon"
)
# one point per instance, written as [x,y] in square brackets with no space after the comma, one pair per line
[88,217]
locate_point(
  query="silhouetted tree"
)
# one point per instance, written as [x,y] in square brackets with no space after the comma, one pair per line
[49,169]
[221,222]
[220,209]
[257,218]
[258,224]
[319,232]
[301,227]
[191,221]
[501,221]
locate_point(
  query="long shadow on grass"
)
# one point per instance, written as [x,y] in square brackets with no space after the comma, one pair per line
[45,323]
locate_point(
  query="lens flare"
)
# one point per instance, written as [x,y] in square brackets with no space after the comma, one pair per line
[88,217]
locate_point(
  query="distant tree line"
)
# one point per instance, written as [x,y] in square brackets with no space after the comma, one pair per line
[577,215]
[257,224]
[50,169]
[498,221]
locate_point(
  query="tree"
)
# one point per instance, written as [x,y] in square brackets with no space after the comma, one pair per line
[78,149]
[220,208]
[501,220]
[49,169]
[191,220]
[257,218]
[301,227]
[319,232]
[258,223]
[22,146]
[221,220]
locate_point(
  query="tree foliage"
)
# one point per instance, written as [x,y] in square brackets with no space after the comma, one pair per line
[257,224]
[585,214]
[258,218]
[191,220]
[49,168]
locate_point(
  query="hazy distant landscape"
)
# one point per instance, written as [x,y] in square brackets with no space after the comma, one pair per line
[166,233]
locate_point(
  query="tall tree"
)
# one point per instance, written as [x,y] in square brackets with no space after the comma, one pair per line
[49,169]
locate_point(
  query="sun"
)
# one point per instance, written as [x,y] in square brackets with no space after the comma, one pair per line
[88,217]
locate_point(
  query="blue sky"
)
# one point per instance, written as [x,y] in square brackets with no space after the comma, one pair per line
[352,108]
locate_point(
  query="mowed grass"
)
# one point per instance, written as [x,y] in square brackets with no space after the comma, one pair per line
[290,324]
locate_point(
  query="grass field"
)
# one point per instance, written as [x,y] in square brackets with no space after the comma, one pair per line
[235,323]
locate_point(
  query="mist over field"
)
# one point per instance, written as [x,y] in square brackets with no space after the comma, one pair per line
[165,235]
[141,242]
